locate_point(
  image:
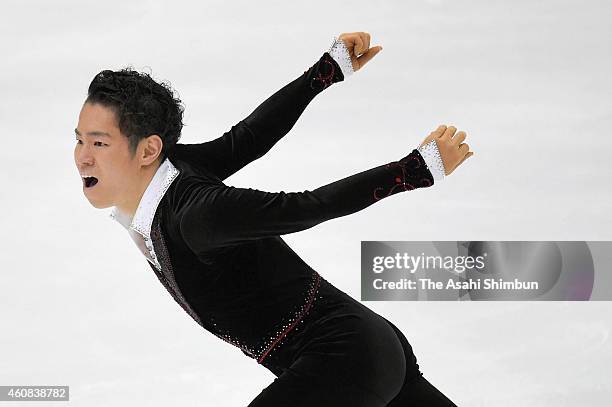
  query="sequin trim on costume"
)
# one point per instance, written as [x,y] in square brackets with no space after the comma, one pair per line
[410,172]
[341,55]
[165,273]
[432,158]
[324,73]
[268,344]
[297,317]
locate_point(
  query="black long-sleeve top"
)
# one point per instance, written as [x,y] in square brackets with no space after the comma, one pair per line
[217,249]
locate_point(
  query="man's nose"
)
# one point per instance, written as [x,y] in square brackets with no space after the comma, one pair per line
[84,156]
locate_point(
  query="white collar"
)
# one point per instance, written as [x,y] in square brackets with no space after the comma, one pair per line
[143,218]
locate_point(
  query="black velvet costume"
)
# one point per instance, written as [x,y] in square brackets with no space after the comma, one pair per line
[222,259]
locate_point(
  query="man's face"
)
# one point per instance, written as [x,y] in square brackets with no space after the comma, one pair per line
[105,157]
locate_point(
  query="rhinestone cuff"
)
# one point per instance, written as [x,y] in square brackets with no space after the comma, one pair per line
[432,158]
[341,55]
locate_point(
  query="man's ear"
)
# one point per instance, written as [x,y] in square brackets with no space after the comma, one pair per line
[151,149]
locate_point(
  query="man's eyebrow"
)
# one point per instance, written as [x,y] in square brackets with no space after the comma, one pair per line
[94,133]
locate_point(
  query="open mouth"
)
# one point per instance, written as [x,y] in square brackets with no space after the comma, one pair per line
[89,182]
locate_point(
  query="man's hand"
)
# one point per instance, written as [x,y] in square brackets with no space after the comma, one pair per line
[358,46]
[453,150]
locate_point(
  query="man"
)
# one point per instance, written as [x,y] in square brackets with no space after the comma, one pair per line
[217,249]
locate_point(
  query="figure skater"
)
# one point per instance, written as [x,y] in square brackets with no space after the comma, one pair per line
[217,249]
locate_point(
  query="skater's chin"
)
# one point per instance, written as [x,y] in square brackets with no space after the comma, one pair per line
[98,204]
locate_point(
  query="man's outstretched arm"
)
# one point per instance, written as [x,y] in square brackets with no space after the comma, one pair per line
[255,135]
[216,215]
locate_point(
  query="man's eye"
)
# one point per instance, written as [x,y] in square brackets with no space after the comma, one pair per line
[97,142]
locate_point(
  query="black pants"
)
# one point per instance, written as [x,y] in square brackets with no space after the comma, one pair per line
[346,355]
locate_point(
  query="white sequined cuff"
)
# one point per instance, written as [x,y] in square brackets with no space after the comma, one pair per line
[341,55]
[432,158]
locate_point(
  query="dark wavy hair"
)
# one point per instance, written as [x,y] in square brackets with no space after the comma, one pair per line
[142,106]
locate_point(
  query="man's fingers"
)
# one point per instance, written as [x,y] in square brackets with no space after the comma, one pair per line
[445,138]
[365,37]
[439,131]
[358,43]
[450,130]
[459,137]
[465,157]
[362,43]
[362,60]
